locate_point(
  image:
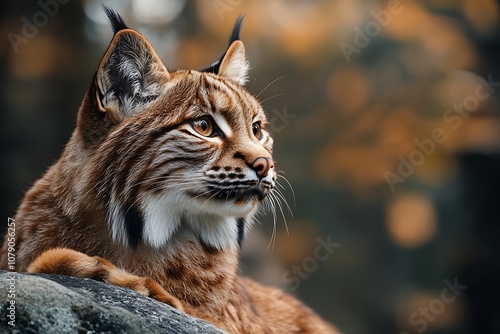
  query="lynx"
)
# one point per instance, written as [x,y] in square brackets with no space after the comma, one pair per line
[158,186]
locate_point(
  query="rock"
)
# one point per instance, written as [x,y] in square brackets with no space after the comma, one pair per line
[63,304]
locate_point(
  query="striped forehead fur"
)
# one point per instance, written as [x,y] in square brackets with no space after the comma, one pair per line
[237,100]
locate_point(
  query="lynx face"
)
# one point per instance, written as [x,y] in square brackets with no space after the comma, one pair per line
[238,172]
[186,154]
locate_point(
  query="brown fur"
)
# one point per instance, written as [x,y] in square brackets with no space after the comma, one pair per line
[62,224]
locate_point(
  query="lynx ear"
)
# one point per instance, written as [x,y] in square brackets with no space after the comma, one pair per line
[130,74]
[234,65]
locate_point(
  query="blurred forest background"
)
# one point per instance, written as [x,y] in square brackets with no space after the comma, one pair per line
[383,121]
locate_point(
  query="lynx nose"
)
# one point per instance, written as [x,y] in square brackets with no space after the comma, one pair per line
[261,166]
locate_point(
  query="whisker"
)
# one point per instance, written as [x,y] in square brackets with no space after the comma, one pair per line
[272,205]
[254,79]
[269,84]
[273,234]
[278,202]
[282,197]
[271,97]
[291,188]
[215,194]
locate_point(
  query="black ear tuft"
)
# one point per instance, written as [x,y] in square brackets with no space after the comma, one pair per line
[115,19]
[235,36]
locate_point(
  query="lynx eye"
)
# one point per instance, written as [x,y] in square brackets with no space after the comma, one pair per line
[257,131]
[204,126]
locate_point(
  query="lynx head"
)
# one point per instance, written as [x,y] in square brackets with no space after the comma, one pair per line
[175,154]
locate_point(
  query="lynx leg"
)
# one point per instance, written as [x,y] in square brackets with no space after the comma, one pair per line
[64,261]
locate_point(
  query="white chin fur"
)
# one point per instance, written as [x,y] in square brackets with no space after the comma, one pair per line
[226,209]
[214,223]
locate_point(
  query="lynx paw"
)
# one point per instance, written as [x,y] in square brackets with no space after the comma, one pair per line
[66,261]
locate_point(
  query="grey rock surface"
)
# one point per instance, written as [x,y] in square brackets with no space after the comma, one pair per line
[64,304]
